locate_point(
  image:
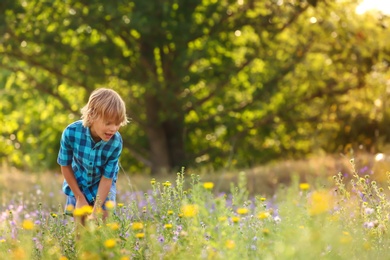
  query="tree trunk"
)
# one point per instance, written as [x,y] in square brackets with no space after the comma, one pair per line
[159,152]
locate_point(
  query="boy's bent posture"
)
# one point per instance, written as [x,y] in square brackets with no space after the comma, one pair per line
[90,150]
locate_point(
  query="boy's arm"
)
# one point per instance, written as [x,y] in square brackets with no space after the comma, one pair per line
[68,174]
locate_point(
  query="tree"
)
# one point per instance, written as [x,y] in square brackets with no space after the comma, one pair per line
[222,81]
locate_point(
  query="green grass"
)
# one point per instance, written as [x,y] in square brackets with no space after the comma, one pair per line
[290,210]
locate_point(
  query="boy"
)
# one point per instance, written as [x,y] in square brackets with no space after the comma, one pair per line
[90,150]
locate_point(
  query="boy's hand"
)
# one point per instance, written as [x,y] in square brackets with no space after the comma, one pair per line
[81,202]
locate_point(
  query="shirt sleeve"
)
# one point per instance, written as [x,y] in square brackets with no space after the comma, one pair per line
[112,167]
[65,154]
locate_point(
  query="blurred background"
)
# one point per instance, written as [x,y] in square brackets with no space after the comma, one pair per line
[212,86]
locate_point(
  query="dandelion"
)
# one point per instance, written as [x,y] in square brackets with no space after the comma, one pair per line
[54,215]
[79,212]
[242,211]
[110,204]
[320,202]
[236,219]
[304,186]
[28,224]
[263,215]
[63,258]
[230,244]
[189,210]
[140,235]
[262,199]
[69,208]
[208,185]
[114,226]
[137,226]
[222,219]
[120,205]
[167,184]
[168,226]
[170,212]
[109,243]
[153,181]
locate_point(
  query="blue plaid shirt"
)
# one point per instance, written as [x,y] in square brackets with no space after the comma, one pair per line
[90,161]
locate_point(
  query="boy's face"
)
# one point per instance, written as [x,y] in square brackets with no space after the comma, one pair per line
[102,129]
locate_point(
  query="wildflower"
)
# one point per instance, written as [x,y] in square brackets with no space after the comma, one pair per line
[190,210]
[110,204]
[222,219]
[125,258]
[263,215]
[109,243]
[161,239]
[262,199]
[242,211]
[28,224]
[153,181]
[230,244]
[168,226]
[54,215]
[69,208]
[345,238]
[170,212]
[368,211]
[140,235]
[63,258]
[120,205]
[79,212]
[235,219]
[113,226]
[167,184]
[208,185]
[277,219]
[137,226]
[2,240]
[265,231]
[304,186]
[369,225]
[320,202]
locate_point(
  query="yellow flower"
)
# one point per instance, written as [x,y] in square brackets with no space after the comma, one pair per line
[2,240]
[263,199]
[110,204]
[265,231]
[222,219]
[28,224]
[113,226]
[170,212]
[120,205]
[153,181]
[18,253]
[263,215]
[137,226]
[63,258]
[54,215]
[78,212]
[230,244]
[125,258]
[345,238]
[304,186]
[242,211]
[320,202]
[168,226]
[110,243]
[167,184]
[140,235]
[208,185]
[190,210]
[69,208]
[236,219]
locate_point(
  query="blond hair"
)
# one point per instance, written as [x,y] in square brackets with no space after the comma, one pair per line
[104,103]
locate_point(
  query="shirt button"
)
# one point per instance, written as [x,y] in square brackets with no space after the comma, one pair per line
[90,163]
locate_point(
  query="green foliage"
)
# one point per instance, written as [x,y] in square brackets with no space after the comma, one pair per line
[228,83]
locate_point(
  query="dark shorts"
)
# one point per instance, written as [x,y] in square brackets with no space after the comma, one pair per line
[71,201]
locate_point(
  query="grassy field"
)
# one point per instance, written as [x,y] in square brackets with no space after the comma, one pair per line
[328,207]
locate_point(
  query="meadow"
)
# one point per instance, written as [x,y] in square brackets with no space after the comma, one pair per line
[317,208]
